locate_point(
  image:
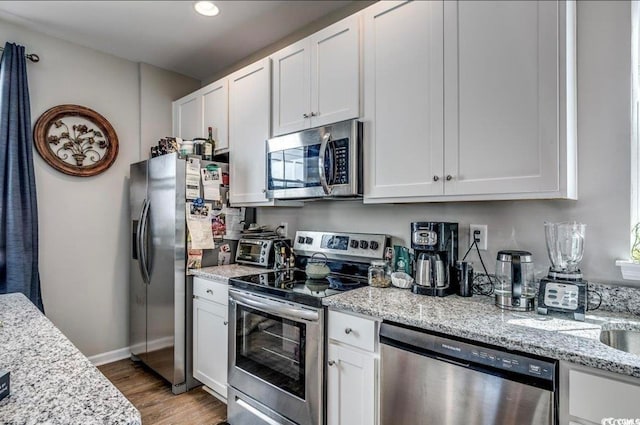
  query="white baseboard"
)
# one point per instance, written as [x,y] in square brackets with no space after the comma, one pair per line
[123,353]
[110,356]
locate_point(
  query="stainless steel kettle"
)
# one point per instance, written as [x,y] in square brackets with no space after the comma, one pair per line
[430,271]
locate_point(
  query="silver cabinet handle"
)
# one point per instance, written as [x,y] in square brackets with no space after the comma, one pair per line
[436,178]
[305,115]
[331,362]
[449,177]
[313,114]
[348,331]
[209,291]
[226,323]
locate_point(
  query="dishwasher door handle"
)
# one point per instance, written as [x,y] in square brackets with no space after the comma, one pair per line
[453,362]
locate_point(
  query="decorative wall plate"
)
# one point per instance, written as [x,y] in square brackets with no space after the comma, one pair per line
[75,140]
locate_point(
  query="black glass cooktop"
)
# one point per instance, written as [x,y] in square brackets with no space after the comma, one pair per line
[294,285]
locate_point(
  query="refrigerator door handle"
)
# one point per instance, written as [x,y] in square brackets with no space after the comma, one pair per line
[141,245]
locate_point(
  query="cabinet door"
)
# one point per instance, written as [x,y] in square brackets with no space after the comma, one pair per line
[187,116]
[335,72]
[403,72]
[249,115]
[501,96]
[215,104]
[210,344]
[350,387]
[291,88]
[593,397]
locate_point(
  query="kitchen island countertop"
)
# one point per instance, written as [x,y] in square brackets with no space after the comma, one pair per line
[52,382]
[477,319]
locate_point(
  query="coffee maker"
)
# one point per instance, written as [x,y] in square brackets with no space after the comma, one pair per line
[436,251]
[564,291]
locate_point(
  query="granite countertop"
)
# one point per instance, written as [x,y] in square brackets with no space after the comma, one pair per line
[477,319]
[226,272]
[52,382]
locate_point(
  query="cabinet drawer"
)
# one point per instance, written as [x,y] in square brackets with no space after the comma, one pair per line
[210,290]
[356,331]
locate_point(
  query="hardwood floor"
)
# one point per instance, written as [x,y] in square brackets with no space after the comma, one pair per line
[152,396]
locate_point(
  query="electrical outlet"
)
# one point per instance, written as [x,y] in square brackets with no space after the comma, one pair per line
[479,232]
[285,229]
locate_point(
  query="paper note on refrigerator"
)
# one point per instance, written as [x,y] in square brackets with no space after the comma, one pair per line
[193,178]
[199,225]
[211,180]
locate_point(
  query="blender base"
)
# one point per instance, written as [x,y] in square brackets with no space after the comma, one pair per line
[566,298]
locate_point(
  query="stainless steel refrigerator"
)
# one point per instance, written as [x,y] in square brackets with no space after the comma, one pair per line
[160,290]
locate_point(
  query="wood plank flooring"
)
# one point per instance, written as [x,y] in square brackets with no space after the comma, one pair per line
[152,396]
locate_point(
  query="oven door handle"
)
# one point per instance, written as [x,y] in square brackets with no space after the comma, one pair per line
[276,308]
[323,177]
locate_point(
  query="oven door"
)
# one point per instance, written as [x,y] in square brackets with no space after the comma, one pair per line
[316,163]
[275,355]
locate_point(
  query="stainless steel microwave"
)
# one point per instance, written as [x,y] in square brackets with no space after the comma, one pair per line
[322,162]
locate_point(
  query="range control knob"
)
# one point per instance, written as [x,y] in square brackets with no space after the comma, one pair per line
[300,239]
[364,244]
[373,245]
[308,240]
[354,243]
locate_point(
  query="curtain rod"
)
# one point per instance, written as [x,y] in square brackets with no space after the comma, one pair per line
[31,56]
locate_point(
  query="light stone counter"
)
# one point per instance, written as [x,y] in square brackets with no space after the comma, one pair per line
[224,273]
[477,319]
[52,382]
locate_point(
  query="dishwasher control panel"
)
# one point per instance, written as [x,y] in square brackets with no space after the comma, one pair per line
[464,352]
[495,358]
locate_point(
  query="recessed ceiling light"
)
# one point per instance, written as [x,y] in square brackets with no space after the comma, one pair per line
[206,8]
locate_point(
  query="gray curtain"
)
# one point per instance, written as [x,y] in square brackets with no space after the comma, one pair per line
[18,212]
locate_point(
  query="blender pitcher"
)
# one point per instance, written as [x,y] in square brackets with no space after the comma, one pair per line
[565,246]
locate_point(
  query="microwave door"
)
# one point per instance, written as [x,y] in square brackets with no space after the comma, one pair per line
[321,163]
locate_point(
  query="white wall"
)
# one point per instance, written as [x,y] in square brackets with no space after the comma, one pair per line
[158,88]
[84,228]
[604,99]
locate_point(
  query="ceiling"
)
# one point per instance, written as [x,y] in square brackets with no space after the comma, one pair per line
[169,34]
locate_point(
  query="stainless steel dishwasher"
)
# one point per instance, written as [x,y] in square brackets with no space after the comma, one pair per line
[432,380]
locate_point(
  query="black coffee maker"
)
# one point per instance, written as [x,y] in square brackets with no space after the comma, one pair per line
[436,252]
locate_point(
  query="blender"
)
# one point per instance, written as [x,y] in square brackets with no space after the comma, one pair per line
[564,291]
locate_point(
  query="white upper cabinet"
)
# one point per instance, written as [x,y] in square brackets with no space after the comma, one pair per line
[207,107]
[335,72]
[249,107]
[468,100]
[316,81]
[187,116]
[502,98]
[291,88]
[215,112]
[403,75]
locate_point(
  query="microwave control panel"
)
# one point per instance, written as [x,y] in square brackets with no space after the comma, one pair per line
[341,161]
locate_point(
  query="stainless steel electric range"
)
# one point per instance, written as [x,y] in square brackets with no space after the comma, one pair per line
[276,329]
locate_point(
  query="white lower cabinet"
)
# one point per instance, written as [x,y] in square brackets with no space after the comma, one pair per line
[210,339]
[350,386]
[587,396]
[352,370]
